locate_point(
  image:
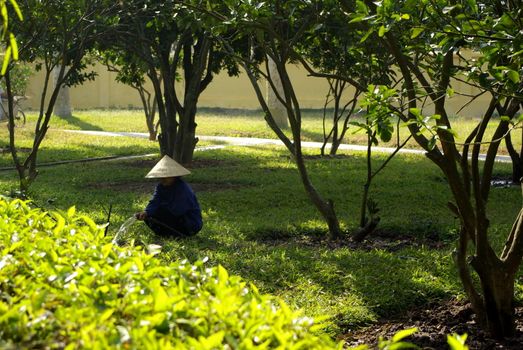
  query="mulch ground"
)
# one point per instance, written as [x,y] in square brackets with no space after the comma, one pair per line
[434,323]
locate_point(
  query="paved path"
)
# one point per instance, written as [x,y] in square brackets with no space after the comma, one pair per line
[253,141]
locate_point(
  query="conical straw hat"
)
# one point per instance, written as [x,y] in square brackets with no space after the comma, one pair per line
[167,167]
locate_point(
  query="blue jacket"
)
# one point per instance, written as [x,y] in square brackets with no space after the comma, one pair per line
[180,201]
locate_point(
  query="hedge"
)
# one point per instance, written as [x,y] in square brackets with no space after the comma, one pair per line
[63,285]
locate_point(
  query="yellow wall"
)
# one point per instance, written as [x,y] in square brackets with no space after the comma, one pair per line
[223,92]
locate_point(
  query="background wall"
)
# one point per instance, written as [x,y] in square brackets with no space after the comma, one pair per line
[223,92]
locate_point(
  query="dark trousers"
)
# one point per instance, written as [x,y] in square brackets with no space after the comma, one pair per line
[165,224]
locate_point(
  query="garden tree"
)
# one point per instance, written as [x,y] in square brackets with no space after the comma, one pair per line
[287,32]
[131,71]
[57,33]
[273,30]
[171,41]
[425,39]
[334,49]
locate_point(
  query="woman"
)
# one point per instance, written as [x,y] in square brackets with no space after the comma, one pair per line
[173,210]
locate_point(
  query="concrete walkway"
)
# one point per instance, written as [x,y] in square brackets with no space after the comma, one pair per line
[253,141]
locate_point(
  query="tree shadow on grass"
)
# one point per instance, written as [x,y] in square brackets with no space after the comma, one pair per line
[82,124]
[385,284]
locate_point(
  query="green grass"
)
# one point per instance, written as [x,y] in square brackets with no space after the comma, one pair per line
[259,223]
[246,123]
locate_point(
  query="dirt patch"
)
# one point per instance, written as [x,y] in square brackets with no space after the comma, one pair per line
[434,322]
[148,187]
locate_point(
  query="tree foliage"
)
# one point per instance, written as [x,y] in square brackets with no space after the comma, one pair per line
[181,59]
[427,40]
[54,35]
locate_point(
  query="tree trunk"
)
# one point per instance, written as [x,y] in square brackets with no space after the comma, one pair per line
[326,208]
[517,159]
[187,140]
[277,108]
[62,107]
[497,285]
[149,109]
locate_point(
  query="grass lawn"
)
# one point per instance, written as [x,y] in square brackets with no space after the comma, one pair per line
[259,223]
[246,123]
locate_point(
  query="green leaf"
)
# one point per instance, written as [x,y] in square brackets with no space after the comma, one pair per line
[382,31]
[513,76]
[14,45]
[457,342]
[223,275]
[214,341]
[403,334]
[71,211]
[161,299]
[357,19]
[7,58]
[60,223]
[89,222]
[367,34]
[416,31]
[415,112]
[473,6]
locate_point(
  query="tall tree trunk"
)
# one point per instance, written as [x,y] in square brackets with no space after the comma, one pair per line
[166,110]
[197,77]
[276,107]
[62,107]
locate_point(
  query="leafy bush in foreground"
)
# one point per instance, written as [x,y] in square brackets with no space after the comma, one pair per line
[64,285]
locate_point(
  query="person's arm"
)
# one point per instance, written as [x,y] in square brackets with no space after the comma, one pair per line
[154,203]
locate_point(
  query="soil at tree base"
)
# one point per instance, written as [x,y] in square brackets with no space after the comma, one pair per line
[434,323]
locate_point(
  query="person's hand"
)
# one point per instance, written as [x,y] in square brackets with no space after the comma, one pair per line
[141,215]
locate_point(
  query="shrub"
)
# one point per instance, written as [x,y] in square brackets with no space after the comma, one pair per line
[64,285]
